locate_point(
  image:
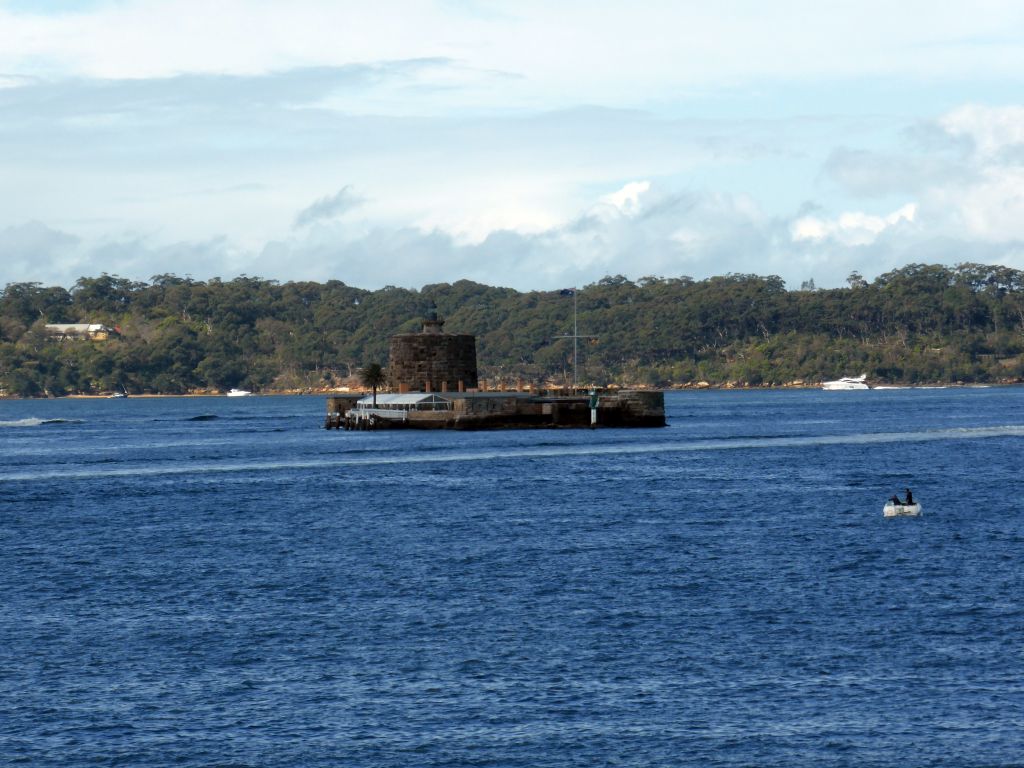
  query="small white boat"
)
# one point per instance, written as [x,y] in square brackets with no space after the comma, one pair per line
[239,393]
[901,510]
[847,382]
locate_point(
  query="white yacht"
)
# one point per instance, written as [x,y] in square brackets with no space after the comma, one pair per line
[847,382]
[239,393]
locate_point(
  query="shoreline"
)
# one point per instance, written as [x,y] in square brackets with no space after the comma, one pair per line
[690,387]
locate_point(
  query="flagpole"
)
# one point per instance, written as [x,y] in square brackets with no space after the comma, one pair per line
[575,339]
[575,336]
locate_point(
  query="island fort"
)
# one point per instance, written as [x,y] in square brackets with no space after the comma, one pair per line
[434,385]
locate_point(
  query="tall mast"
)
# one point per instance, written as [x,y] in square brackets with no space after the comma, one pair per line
[575,338]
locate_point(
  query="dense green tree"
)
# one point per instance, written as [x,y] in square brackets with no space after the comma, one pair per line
[914,324]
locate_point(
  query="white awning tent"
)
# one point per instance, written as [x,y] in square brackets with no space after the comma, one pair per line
[412,401]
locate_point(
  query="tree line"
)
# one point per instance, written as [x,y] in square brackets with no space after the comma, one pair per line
[920,323]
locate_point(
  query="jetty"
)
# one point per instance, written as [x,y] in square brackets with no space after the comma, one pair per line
[434,385]
[497,410]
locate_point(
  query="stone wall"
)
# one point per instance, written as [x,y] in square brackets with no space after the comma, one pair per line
[420,362]
[632,408]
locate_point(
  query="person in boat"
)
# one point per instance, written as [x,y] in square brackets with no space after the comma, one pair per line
[896,501]
[910,498]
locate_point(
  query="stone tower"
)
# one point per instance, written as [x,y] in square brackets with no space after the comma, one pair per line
[431,360]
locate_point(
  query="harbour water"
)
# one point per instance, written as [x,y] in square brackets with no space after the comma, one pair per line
[217,581]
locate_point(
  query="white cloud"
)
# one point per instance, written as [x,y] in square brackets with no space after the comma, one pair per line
[968,178]
[852,227]
[463,127]
[874,175]
[33,252]
[665,45]
[990,209]
[627,200]
[693,234]
[990,129]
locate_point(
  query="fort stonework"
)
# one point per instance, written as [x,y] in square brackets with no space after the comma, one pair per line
[434,386]
[498,410]
[432,361]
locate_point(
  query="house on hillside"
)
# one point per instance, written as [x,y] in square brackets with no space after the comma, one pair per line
[80,331]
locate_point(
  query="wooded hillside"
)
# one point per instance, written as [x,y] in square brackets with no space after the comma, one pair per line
[921,323]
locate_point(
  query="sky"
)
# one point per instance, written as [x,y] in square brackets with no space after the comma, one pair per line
[528,144]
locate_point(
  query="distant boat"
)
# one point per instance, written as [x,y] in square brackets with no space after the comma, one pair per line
[239,393]
[847,382]
[901,510]
[117,395]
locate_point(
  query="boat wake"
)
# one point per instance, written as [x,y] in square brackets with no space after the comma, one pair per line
[33,422]
[525,452]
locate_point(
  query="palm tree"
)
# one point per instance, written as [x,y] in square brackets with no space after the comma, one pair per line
[373,376]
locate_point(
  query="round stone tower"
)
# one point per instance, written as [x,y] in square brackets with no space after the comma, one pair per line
[432,361]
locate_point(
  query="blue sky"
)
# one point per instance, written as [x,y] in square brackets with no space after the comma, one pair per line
[528,144]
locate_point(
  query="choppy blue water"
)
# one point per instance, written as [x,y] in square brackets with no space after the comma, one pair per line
[220,581]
